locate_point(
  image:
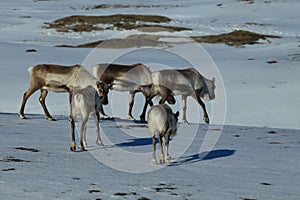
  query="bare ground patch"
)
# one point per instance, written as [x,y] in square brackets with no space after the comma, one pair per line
[8,169]
[128,42]
[256,24]
[13,159]
[247,1]
[146,23]
[235,38]
[27,149]
[137,6]
[83,23]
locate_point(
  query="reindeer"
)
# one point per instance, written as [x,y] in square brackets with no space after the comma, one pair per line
[85,101]
[184,82]
[133,78]
[162,120]
[59,78]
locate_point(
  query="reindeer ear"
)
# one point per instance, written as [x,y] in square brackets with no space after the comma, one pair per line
[213,79]
[98,83]
[177,114]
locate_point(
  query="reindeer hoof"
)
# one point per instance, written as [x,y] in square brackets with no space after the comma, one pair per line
[184,121]
[162,160]
[143,120]
[99,143]
[168,159]
[206,119]
[72,148]
[130,117]
[22,116]
[105,117]
[50,119]
[153,161]
[81,148]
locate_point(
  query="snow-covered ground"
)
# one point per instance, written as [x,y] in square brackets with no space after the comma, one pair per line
[246,163]
[257,87]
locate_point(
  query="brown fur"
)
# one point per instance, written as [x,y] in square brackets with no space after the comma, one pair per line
[185,82]
[114,71]
[133,78]
[57,78]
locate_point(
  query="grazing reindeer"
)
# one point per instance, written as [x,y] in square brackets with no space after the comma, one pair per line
[184,82]
[59,78]
[162,120]
[85,101]
[133,78]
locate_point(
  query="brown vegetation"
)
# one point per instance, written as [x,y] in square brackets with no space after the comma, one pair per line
[104,6]
[82,23]
[128,42]
[235,38]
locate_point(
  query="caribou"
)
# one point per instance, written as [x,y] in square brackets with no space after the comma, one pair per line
[162,120]
[133,78]
[85,101]
[58,78]
[184,82]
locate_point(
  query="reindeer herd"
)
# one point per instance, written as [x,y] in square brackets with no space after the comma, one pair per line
[88,93]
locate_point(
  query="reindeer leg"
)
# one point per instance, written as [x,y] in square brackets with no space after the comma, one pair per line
[83,133]
[166,139]
[151,103]
[70,90]
[99,141]
[153,161]
[161,157]
[97,115]
[72,121]
[146,90]
[147,101]
[183,97]
[103,113]
[26,95]
[166,96]
[73,144]
[196,96]
[84,137]
[205,115]
[131,102]
[42,101]
[142,116]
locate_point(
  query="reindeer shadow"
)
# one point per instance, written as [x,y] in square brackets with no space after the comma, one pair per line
[136,142]
[220,153]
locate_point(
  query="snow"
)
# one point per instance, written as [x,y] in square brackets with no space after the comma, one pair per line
[246,163]
[255,155]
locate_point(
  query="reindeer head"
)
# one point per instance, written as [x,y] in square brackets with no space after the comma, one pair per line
[103,89]
[211,88]
[208,93]
[176,115]
[174,125]
[171,99]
